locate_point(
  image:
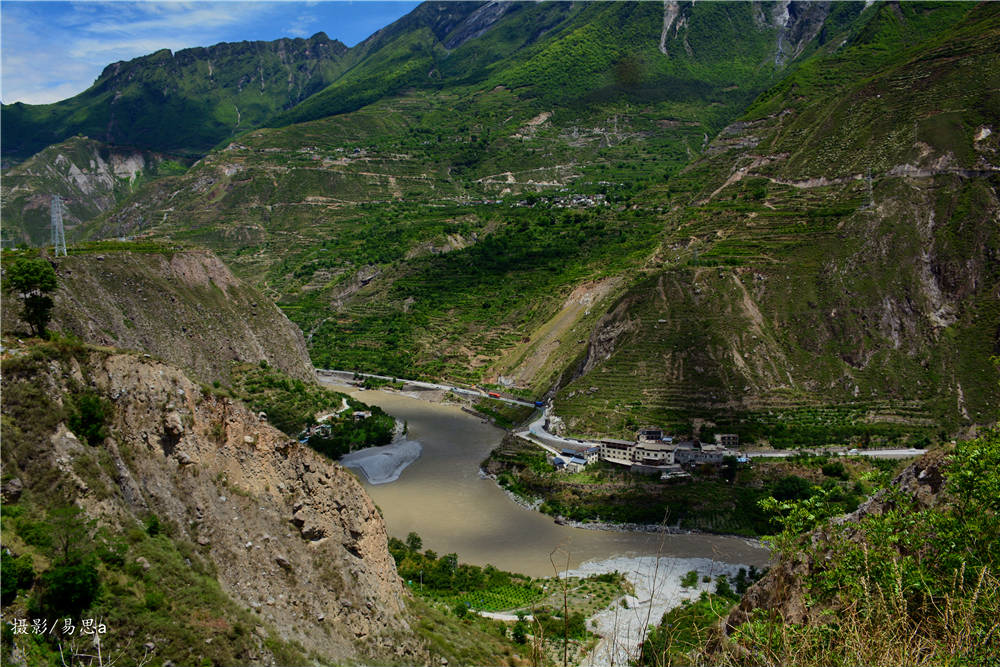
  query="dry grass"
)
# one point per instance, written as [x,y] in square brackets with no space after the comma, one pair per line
[880,627]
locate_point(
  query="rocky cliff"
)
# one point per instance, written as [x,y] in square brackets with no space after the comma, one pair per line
[185,307]
[289,534]
[88,175]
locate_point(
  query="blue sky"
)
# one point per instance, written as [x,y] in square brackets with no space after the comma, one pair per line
[54,50]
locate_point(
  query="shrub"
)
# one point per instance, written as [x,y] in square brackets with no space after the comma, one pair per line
[112,552]
[35,533]
[690,580]
[722,587]
[153,525]
[155,599]
[835,469]
[69,589]
[18,575]
[792,487]
[88,418]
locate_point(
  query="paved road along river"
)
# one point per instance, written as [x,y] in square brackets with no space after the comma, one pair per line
[442,497]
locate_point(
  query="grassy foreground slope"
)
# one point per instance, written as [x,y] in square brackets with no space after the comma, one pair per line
[787,300]
[908,579]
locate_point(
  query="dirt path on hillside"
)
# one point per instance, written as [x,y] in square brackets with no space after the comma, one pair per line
[546,340]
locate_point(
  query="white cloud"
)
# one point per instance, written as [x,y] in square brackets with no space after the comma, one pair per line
[51,52]
[168,17]
[301,27]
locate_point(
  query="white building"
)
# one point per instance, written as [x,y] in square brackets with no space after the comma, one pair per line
[653,453]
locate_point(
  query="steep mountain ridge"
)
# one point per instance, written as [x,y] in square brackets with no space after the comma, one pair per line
[785,298]
[573,55]
[182,103]
[184,306]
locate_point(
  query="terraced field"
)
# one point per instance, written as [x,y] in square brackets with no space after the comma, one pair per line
[761,282]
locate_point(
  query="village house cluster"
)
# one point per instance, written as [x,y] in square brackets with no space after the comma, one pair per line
[324,428]
[652,451]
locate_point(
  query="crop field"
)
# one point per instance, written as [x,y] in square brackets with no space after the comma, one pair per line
[500,598]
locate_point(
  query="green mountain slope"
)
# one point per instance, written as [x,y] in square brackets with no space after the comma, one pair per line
[90,177]
[573,55]
[181,103]
[785,299]
[380,231]
[570,226]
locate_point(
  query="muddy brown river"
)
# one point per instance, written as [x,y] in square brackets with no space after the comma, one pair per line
[442,497]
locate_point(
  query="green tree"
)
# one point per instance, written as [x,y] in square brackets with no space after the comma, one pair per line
[520,633]
[68,589]
[32,280]
[89,417]
[73,582]
[414,543]
[70,532]
[18,575]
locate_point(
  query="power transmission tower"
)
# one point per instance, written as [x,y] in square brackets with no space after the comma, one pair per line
[871,197]
[870,204]
[58,233]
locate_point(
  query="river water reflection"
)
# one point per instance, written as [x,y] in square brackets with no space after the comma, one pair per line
[442,497]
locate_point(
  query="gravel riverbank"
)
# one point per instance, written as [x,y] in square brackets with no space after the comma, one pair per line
[657,583]
[384,464]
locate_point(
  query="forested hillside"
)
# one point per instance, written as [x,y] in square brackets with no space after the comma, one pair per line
[659,214]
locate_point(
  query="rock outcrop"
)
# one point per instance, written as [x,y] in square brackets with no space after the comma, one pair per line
[783,590]
[184,307]
[292,535]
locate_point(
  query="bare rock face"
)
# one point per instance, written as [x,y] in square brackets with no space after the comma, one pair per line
[11,490]
[293,536]
[184,307]
[923,481]
[610,329]
[84,172]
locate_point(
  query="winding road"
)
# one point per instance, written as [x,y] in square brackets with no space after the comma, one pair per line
[551,442]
